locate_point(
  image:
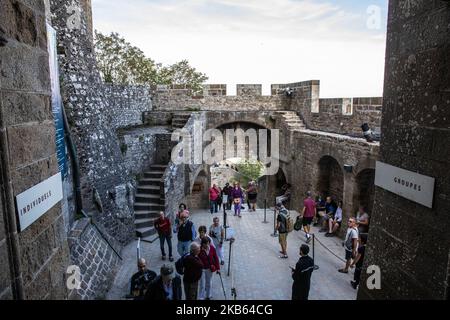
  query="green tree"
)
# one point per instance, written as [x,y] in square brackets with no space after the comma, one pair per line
[250,170]
[182,73]
[121,63]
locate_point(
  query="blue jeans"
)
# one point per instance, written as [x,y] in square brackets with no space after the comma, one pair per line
[162,239]
[183,247]
[213,207]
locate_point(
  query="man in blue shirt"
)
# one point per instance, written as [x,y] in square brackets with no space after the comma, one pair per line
[330,209]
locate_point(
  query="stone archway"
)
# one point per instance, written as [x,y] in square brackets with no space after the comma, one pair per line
[330,178]
[271,187]
[364,191]
[198,197]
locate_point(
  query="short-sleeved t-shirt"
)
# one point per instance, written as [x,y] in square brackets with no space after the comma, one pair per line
[282,220]
[216,231]
[351,234]
[330,208]
[310,208]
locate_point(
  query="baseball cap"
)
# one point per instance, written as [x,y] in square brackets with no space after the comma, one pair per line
[166,270]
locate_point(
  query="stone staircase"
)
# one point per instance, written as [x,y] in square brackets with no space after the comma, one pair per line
[149,201]
[179,120]
[293,120]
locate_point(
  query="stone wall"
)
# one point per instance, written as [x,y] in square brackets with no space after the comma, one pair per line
[33,262]
[95,258]
[96,111]
[346,115]
[410,242]
[139,147]
[179,178]
[167,98]
[127,105]
[340,115]
[313,146]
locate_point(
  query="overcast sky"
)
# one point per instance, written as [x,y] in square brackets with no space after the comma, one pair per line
[341,43]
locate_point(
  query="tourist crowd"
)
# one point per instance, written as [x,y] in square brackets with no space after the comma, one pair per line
[201,249]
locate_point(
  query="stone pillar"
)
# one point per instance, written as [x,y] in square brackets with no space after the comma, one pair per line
[349,189]
[409,242]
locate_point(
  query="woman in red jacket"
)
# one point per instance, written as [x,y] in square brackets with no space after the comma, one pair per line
[211,264]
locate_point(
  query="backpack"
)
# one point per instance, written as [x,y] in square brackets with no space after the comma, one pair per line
[289,224]
[298,223]
[179,264]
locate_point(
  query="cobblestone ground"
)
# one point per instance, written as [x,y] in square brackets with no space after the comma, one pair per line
[256,271]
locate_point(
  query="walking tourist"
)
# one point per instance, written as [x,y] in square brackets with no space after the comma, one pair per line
[181,208]
[302,275]
[141,280]
[217,233]
[210,262]
[308,213]
[350,244]
[202,233]
[335,223]
[214,193]
[282,229]
[227,191]
[164,229]
[320,206]
[358,262]
[192,271]
[165,287]
[286,196]
[219,199]
[237,195]
[186,233]
[252,195]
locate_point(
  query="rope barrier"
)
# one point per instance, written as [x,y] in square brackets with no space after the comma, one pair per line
[329,250]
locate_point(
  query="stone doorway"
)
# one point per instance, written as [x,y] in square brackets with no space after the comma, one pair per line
[365,190]
[198,198]
[330,178]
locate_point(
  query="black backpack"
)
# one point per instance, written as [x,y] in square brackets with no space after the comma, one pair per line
[298,223]
[179,264]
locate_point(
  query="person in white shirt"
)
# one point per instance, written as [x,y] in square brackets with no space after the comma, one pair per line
[335,223]
[350,244]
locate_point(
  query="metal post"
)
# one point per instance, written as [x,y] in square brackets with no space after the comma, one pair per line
[265,210]
[274,223]
[316,267]
[229,257]
[225,221]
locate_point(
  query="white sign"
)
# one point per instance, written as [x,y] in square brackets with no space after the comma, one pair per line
[34,202]
[408,184]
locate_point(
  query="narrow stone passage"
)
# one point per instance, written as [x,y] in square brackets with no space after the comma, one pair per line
[258,272]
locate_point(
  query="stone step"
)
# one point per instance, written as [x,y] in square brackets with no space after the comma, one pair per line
[149,201]
[146,214]
[145,222]
[145,232]
[153,174]
[146,197]
[149,189]
[158,167]
[140,206]
[150,182]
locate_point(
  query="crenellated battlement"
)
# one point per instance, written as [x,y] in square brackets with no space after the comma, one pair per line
[337,115]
